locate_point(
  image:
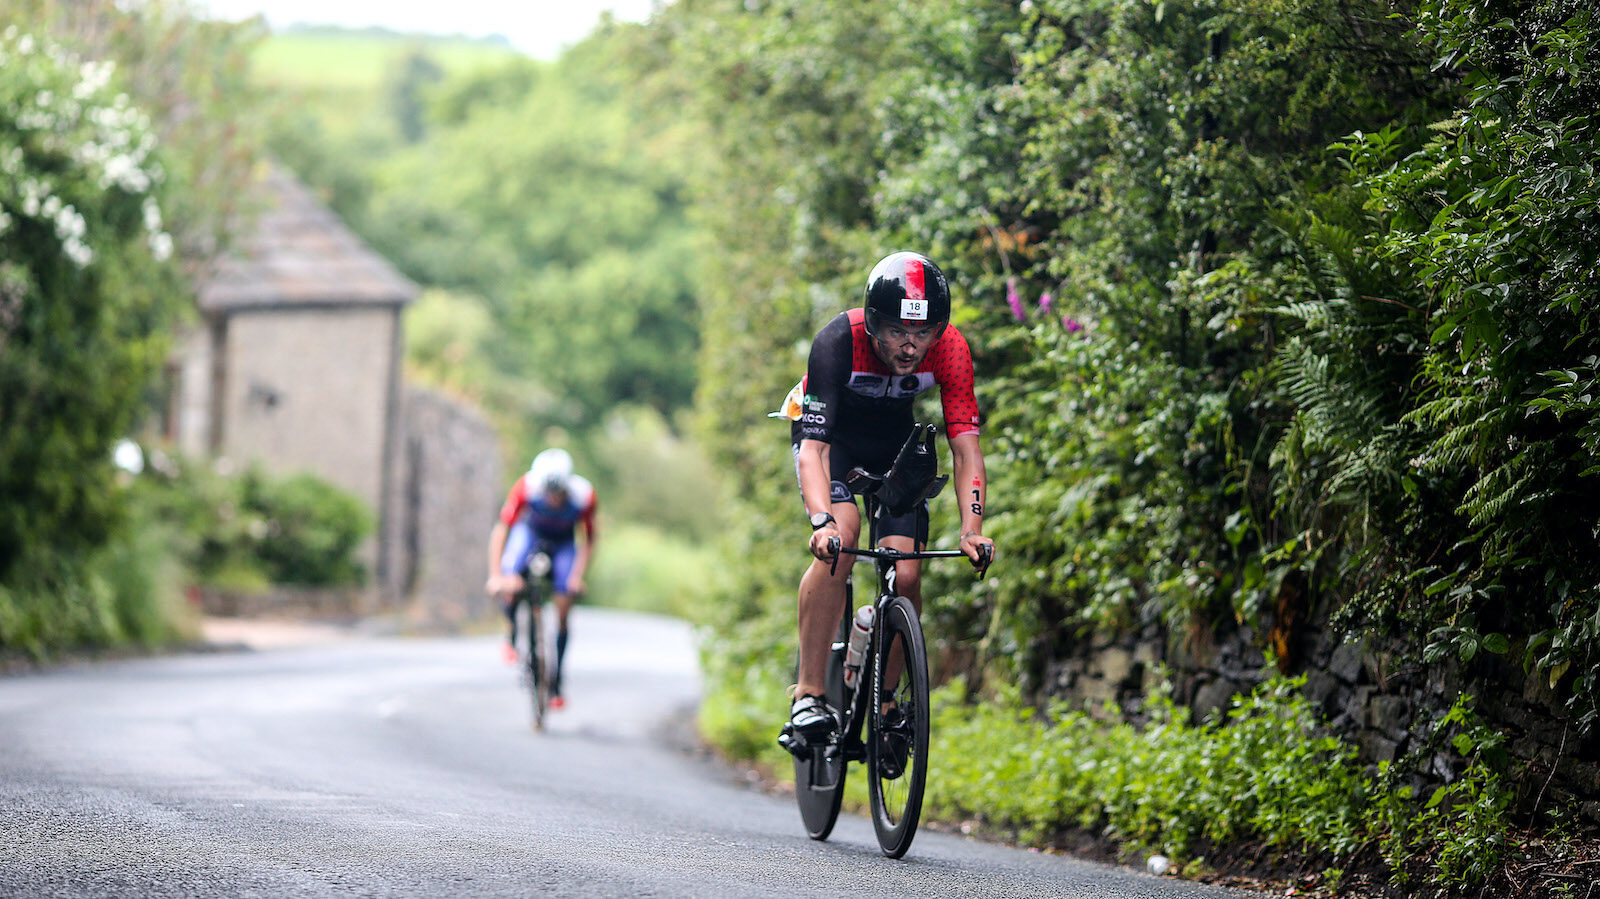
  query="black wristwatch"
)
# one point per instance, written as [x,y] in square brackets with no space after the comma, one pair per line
[821,520]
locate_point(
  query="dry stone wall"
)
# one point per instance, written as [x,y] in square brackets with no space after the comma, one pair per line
[450,489]
[1367,694]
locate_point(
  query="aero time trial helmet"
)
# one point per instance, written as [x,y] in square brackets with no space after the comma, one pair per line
[907,289]
[551,470]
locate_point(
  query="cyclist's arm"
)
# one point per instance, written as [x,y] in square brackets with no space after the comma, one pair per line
[497,584]
[972,485]
[816,482]
[591,531]
[827,371]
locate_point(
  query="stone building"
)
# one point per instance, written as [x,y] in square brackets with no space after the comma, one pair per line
[297,364]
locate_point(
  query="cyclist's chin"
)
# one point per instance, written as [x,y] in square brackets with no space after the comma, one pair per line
[901,365]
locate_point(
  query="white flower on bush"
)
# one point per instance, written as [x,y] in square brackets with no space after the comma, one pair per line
[66,111]
[160,246]
[92,78]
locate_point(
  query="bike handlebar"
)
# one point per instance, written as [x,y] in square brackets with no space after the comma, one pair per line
[837,548]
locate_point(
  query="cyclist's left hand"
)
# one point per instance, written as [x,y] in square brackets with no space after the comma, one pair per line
[971,544]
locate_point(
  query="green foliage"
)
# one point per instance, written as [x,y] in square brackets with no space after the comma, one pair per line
[447,339]
[251,530]
[1322,352]
[651,570]
[1492,213]
[657,478]
[94,228]
[549,196]
[1462,830]
[127,591]
[1265,773]
[85,288]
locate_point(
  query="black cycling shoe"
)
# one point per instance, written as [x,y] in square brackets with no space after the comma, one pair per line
[894,744]
[809,719]
[811,716]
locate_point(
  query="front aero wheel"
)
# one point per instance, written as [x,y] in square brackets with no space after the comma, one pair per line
[532,659]
[897,746]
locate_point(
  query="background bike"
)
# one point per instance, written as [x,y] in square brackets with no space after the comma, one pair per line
[528,617]
[877,680]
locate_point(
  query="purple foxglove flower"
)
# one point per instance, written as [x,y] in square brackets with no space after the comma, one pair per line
[1014,301]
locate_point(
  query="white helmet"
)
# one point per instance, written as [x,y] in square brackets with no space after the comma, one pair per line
[551,470]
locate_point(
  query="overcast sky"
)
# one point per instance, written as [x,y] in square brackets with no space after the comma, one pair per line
[540,28]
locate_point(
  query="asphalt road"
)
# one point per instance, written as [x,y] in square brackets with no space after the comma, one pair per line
[406,767]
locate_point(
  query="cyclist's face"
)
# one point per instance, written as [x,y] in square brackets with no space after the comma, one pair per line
[902,347]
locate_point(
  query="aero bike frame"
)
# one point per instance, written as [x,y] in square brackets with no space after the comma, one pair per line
[537,578]
[884,560]
[893,671]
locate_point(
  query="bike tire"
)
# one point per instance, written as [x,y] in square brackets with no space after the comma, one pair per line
[531,645]
[897,795]
[819,774]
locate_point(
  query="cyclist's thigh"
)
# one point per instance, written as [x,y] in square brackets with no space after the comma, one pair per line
[562,557]
[845,453]
[913,526]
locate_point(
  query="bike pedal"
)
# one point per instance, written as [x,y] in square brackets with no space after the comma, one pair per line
[794,742]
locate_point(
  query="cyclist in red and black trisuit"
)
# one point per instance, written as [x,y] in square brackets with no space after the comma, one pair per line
[866,368]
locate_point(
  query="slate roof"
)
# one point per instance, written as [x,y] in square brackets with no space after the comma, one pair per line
[300,253]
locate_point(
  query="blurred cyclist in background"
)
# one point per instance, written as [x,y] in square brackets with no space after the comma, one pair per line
[544,510]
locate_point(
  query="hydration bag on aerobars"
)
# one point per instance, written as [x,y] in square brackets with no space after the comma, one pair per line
[914,476]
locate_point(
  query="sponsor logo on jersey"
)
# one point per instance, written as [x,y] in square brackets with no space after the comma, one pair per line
[868,384]
[912,384]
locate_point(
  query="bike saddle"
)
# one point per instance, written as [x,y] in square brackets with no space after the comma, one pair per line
[913,478]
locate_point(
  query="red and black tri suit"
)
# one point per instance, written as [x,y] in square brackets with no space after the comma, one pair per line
[855,404]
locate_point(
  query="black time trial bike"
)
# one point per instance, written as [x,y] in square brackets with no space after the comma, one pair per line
[882,702]
[528,632]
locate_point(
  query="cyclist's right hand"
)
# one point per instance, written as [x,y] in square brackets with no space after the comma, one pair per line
[825,543]
[502,586]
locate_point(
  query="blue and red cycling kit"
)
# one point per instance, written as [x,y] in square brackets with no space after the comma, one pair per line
[535,522]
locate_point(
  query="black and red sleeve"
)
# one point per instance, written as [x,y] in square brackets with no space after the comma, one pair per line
[827,374]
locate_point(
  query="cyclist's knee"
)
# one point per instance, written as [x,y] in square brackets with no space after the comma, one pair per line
[908,580]
[821,571]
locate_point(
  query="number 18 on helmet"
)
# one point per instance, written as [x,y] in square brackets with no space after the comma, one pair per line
[907,290]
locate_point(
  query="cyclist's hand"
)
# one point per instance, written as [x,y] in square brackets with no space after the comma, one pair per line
[819,543]
[501,586]
[979,549]
[574,585]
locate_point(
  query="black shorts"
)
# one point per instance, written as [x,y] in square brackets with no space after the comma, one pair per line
[841,460]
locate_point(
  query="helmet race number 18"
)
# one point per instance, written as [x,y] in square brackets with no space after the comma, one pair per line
[906,289]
